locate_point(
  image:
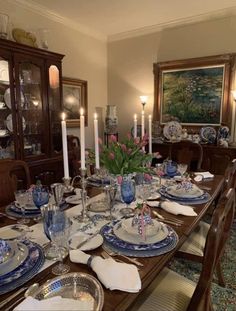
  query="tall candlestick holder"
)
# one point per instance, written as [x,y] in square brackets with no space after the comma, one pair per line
[83,218]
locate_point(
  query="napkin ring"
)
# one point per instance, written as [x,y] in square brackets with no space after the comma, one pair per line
[90,261]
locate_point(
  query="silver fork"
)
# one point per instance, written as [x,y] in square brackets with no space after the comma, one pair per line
[169,220]
[132,260]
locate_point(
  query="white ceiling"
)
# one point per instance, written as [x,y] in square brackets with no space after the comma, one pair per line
[114,18]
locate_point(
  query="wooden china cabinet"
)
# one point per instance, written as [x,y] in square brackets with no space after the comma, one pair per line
[30,107]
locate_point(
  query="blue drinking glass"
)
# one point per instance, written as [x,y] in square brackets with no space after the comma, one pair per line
[40,196]
[127,190]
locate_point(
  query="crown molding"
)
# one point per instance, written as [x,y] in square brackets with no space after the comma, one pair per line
[174,23]
[41,10]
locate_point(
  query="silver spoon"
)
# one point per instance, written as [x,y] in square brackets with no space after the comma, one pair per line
[29,292]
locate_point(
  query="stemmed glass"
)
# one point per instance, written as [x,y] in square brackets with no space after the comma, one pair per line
[59,232]
[58,192]
[22,198]
[40,196]
[127,193]
[110,191]
[182,168]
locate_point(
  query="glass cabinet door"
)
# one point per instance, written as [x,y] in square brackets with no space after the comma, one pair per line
[32,117]
[7,112]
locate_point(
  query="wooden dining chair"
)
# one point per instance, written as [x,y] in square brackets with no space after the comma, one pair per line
[173,292]
[14,174]
[187,152]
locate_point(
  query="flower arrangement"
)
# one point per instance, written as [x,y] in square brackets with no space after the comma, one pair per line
[126,157]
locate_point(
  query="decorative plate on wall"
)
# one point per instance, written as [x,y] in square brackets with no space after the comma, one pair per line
[172,130]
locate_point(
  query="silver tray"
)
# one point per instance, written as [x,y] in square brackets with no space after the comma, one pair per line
[73,285]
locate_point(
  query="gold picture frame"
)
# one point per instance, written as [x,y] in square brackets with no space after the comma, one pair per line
[75,96]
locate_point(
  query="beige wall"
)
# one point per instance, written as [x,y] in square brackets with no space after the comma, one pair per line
[85,57]
[130,61]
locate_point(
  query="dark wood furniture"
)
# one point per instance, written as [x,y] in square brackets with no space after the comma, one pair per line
[187,152]
[215,158]
[30,110]
[14,174]
[117,300]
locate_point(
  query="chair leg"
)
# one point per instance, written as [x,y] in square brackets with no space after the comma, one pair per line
[220,276]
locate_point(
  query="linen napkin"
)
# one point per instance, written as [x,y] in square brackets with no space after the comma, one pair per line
[55,303]
[204,175]
[112,274]
[174,208]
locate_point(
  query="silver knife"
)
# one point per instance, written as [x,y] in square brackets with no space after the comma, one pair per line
[86,240]
[4,302]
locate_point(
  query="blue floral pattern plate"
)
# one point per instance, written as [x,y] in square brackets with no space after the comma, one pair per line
[208,134]
[138,250]
[25,266]
[172,129]
[204,198]
[34,264]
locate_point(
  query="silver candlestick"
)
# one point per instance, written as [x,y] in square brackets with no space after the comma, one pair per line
[83,217]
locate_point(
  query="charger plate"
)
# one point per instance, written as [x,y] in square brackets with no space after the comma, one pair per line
[137,250]
[37,256]
[199,200]
[81,286]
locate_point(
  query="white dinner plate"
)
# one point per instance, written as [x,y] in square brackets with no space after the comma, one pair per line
[181,192]
[12,232]
[4,71]
[79,237]
[73,199]
[7,98]
[9,124]
[139,239]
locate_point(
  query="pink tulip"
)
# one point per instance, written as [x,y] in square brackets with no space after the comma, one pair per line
[123,147]
[111,156]
[119,179]
[137,140]
[113,139]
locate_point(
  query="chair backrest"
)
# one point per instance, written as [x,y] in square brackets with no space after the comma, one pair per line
[187,152]
[13,174]
[218,233]
[230,175]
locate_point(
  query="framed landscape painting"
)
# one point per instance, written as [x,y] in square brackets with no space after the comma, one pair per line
[74,98]
[193,92]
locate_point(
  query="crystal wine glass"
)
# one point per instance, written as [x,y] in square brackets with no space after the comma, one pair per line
[182,168]
[60,232]
[40,196]
[22,198]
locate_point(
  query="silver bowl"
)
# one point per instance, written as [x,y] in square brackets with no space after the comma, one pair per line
[73,285]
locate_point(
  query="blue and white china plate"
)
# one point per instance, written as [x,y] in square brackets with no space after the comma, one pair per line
[138,250]
[172,129]
[9,211]
[18,210]
[178,191]
[34,264]
[208,134]
[223,133]
[21,252]
[199,200]
[25,265]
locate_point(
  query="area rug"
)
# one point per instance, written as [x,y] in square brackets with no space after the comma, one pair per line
[224,299]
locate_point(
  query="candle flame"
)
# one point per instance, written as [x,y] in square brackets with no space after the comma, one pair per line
[150,116]
[95,116]
[135,117]
[81,111]
[63,116]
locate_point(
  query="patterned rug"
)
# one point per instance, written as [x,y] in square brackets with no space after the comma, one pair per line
[224,299]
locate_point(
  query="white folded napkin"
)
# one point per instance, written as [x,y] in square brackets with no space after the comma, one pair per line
[55,303]
[174,208]
[204,175]
[112,274]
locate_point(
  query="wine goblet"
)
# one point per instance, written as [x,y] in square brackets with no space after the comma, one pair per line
[40,196]
[60,232]
[127,190]
[182,168]
[22,198]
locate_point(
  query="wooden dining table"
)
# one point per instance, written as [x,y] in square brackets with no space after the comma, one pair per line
[115,300]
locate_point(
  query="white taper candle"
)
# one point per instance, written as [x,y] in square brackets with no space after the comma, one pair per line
[150,133]
[97,164]
[82,139]
[64,146]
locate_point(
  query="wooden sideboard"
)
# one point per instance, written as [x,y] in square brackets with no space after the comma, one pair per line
[215,158]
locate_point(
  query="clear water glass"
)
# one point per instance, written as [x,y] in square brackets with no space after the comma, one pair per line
[59,233]
[22,197]
[182,168]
